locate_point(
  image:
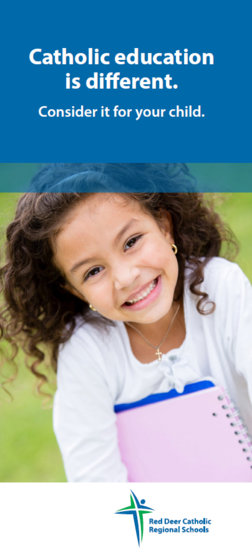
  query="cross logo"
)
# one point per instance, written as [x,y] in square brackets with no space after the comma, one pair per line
[137,509]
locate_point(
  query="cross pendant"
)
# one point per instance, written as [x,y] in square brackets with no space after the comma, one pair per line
[159,354]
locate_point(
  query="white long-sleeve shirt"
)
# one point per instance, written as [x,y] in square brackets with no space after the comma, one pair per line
[97,370]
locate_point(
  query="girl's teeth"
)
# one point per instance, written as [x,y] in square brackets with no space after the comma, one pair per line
[145,294]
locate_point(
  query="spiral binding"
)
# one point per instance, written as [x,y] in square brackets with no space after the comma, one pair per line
[238,422]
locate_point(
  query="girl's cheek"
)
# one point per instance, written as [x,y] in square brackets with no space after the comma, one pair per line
[157,254]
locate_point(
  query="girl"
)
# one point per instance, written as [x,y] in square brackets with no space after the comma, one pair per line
[130,296]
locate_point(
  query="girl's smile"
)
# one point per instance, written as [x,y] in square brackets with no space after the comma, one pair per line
[118,258]
[144,296]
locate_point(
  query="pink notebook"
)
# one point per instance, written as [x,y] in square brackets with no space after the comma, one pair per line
[197,436]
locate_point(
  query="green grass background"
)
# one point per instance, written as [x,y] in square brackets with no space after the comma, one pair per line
[29,452]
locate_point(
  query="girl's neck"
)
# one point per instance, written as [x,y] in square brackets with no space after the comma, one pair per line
[155,332]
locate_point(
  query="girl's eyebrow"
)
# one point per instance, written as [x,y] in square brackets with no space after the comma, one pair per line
[124,229]
[80,263]
[116,241]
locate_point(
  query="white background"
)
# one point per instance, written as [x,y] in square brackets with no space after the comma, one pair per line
[80,517]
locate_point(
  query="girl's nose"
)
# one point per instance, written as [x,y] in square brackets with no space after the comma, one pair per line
[124,276]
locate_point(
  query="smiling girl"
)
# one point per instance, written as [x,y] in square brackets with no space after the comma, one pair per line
[129,294]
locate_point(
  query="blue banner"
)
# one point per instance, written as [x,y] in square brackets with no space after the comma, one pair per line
[128,82]
[195,177]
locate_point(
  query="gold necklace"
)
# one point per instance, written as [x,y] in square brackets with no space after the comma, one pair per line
[158,352]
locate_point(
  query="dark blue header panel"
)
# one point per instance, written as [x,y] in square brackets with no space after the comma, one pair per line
[126,82]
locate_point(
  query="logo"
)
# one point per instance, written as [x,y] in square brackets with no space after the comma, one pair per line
[137,509]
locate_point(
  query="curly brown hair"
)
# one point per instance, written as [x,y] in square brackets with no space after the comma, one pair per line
[37,310]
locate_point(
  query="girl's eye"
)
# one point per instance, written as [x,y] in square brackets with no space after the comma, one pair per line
[132,241]
[92,272]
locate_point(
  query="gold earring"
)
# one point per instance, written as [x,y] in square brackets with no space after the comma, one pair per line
[91,307]
[174,249]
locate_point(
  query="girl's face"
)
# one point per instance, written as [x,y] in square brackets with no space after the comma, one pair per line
[117,258]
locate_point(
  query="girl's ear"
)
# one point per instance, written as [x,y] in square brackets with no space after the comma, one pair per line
[166,226]
[73,291]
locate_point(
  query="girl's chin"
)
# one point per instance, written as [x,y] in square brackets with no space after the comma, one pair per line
[150,318]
